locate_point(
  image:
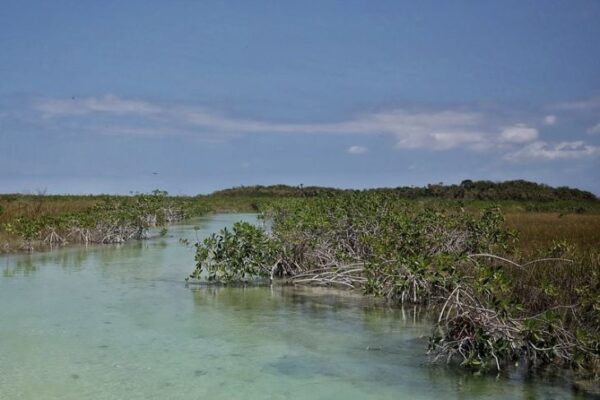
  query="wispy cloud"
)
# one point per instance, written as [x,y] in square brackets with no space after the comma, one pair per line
[519,133]
[409,128]
[436,130]
[357,150]
[594,130]
[541,150]
[52,107]
[579,105]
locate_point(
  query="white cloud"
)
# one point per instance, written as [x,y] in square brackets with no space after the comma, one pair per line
[356,150]
[541,150]
[519,133]
[441,130]
[550,119]
[409,128]
[435,130]
[594,130]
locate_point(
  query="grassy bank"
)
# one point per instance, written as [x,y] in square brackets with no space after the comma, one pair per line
[38,222]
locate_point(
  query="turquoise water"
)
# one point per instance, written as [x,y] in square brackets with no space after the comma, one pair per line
[119,322]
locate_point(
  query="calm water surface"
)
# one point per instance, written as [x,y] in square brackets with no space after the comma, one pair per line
[120,323]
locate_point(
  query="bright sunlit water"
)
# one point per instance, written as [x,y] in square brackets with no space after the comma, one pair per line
[108,322]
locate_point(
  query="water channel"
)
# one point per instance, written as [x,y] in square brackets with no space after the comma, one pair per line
[119,322]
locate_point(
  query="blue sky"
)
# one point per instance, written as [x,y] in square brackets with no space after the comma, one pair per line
[193,96]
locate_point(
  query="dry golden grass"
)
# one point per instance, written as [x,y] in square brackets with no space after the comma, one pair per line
[35,206]
[540,230]
[543,285]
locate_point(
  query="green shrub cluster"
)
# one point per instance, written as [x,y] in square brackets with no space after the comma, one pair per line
[243,254]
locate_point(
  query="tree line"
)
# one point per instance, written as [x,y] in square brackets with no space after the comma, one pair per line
[516,190]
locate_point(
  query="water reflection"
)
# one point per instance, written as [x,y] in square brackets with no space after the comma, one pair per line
[22,266]
[27,264]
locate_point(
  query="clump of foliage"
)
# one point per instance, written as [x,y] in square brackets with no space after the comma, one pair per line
[243,254]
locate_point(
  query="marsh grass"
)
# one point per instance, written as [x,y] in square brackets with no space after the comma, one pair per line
[547,284]
[13,206]
[541,230]
[33,222]
[16,209]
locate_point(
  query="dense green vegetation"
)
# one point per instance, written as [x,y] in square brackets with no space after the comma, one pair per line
[39,221]
[518,190]
[518,195]
[241,254]
[496,305]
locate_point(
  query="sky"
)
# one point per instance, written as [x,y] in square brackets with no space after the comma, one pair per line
[194,96]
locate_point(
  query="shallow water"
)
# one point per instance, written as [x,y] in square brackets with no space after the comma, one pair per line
[119,322]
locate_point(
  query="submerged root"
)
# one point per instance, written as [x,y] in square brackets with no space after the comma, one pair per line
[350,276]
[53,238]
[470,331]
